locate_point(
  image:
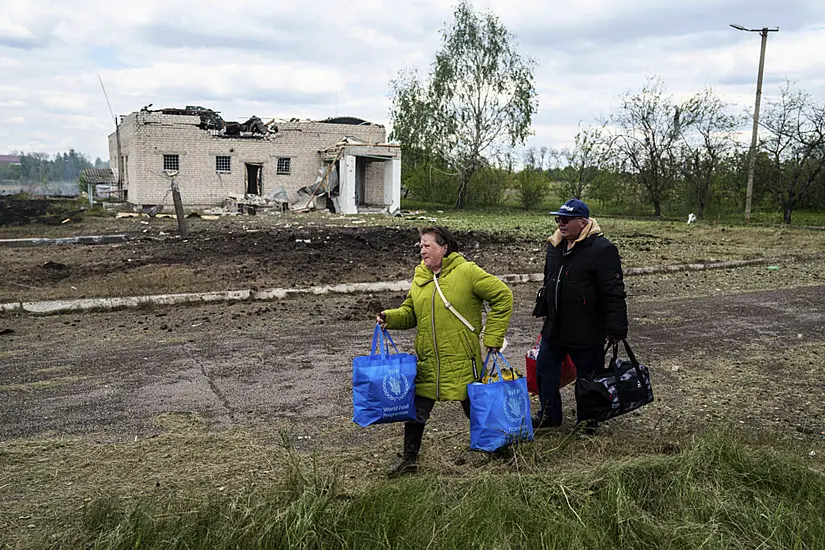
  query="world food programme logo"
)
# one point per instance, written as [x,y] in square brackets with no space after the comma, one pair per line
[395,385]
[514,406]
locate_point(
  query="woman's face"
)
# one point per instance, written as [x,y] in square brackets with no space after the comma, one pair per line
[431,251]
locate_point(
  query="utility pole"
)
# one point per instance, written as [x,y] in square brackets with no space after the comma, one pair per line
[752,152]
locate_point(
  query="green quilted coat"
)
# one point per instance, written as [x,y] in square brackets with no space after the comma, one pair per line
[445,347]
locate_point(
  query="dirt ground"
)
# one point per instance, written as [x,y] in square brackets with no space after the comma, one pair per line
[246,363]
[294,250]
[737,348]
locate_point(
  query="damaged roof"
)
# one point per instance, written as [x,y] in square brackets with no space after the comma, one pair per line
[98,175]
[205,112]
[345,120]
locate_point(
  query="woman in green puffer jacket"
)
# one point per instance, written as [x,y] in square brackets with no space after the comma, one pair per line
[449,353]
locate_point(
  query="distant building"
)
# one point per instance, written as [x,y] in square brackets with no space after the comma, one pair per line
[212,159]
[102,180]
[10,159]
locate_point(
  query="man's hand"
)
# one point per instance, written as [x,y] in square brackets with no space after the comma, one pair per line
[492,350]
[381,319]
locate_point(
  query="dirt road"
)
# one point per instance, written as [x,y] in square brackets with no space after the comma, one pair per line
[722,345]
[741,357]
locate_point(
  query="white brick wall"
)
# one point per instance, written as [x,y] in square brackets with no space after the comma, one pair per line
[147,136]
[374,181]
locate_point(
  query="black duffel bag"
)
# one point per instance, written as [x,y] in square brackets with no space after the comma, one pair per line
[623,386]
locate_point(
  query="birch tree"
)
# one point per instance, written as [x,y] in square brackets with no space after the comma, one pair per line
[479,96]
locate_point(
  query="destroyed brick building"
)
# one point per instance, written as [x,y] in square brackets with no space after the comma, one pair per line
[343,164]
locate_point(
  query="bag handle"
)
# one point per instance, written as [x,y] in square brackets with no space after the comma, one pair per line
[495,365]
[377,338]
[630,356]
[496,356]
[384,340]
[389,342]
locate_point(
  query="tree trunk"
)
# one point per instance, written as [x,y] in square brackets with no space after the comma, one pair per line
[466,176]
[462,193]
[657,208]
[786,215]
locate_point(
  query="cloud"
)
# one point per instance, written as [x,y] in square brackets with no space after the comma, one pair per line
[284,59]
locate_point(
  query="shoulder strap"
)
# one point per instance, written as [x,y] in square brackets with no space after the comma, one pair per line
[450,307]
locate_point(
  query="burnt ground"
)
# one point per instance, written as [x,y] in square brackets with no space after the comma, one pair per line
[226,256]
[294,250]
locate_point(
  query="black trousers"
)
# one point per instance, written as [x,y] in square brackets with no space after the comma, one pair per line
[548,373]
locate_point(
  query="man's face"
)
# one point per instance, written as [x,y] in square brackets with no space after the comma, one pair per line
[571,228]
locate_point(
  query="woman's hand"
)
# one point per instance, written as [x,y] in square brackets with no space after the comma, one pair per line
[381,319]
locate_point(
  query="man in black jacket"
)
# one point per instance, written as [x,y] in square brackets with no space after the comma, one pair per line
[585,305]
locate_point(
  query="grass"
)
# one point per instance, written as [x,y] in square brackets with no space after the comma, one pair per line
[43,384]
[717,492]
[647,242]
[773,217]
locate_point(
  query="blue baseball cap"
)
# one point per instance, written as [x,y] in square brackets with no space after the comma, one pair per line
[574,208]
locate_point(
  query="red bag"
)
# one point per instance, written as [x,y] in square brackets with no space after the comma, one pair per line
[568,369]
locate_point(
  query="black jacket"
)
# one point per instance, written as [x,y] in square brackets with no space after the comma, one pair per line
[585,294]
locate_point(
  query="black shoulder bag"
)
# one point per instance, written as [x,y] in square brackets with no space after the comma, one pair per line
[541,309]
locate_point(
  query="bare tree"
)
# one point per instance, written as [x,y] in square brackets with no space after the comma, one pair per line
[796,148]
[538,159]
[584,162]
[646,136]
[706,145]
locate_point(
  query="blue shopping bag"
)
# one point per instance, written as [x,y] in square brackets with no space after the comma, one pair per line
[500,409]
[383,383]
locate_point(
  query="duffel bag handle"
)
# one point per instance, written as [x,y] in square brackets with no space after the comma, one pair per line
[630,356]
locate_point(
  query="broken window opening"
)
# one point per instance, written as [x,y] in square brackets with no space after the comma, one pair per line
[223,164]
[171,162]
[284,166]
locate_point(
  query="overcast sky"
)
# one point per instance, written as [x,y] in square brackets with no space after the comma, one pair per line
[323,58]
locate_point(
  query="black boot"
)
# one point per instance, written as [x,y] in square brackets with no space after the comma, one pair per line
[413,433]
[542,421]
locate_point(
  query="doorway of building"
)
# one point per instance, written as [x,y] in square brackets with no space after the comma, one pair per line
[254,179]
[360,181]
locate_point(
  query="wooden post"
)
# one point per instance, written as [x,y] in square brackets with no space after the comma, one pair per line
[184,231]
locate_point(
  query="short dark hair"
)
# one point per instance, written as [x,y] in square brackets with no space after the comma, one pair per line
[442,236]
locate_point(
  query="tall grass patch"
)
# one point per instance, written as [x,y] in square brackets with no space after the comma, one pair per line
[717,493]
